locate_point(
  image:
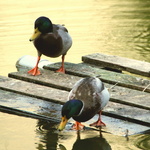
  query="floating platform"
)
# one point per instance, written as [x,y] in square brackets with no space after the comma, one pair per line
[129,106]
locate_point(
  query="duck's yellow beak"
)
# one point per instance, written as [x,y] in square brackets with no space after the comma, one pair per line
[35,34]
[63,123]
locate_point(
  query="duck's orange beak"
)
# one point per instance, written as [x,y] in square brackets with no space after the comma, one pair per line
[35,34]
[63,123]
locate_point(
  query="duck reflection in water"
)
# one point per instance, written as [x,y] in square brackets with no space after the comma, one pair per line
[94,143]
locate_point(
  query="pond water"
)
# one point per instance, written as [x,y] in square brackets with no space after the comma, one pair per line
[111,27]
[21,133]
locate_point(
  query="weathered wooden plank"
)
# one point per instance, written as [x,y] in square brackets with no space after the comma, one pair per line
[128,111]
[39,109]
[122,112]
[33,90]
[120,63]
[48,78]
[29,106]
[25,113]
[64,81]
[28,103]
[85,70]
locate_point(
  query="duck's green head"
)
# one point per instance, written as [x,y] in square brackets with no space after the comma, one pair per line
[42,25]
[70,109]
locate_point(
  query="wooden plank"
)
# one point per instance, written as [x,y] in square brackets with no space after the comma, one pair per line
[33,90]
[25,113]
[64,81]
[85,70]
[29,106]
[128,111]
[28,103]
[39,109]
[120,63]
[48,78]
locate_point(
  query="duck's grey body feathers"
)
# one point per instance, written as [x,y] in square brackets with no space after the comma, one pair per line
[55,43]
[66,38]
[93,94]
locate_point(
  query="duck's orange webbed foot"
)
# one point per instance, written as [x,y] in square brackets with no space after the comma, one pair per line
[78,126]
[34,71]
[98,123]
[61,69]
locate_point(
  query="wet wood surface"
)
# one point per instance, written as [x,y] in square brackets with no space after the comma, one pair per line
[57,80]
[28,106]
[51,83]
[33,90]
[129,102]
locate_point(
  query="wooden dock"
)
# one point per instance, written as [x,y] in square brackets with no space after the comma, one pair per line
[129,106]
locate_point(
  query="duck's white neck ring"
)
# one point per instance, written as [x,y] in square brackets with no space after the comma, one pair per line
[81,109]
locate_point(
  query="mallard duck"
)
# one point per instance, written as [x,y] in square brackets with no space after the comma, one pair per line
[50,40]
[87,98]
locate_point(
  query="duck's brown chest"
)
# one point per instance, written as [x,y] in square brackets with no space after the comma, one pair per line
[49,45]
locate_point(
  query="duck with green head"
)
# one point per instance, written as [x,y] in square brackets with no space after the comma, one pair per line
[86,99]
[50,40]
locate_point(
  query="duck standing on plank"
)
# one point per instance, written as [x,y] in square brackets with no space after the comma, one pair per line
[87,98]
[50,40]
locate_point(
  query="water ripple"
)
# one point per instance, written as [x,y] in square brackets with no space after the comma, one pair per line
[143,141]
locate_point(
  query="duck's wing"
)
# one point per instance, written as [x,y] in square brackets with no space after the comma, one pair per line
[90,90]
[62,32]
[101,93]
[57,27]
[87,87]
[74,89]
